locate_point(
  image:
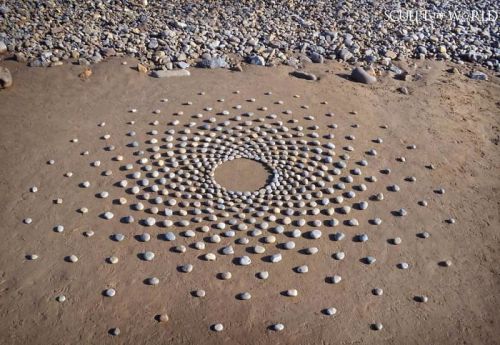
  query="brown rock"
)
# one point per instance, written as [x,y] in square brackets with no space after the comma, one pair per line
[142,68]
[87,72]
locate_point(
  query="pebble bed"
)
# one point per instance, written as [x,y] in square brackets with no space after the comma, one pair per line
[216,34]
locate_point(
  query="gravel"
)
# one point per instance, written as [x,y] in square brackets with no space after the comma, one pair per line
[179,33]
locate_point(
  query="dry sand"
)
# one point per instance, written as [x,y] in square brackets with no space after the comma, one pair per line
[453,121]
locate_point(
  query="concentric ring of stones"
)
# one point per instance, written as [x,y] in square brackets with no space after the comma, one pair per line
[314,184]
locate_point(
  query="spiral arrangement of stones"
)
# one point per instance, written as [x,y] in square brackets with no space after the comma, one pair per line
[314,187]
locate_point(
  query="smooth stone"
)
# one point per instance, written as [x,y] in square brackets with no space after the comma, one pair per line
[403,265]
[302,269]
[304,75]
[244,260]
[359,75]
[335,279]
[152,281]
[278,327]
[263,275]
[292,293]
[339,256]
[225,275]
[110,292]
[330,311]
[148,256]
[378,292]
[218,327]
[276,258]
[245,296]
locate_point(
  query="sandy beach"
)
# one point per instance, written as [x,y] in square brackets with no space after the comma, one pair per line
[451,119]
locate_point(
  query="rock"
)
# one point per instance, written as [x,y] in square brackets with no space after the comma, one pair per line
[5,78]
[182,64]
[404,90]
[345,55]
[256,60]
[237,68]
[216,62]
[316,57]
[141,68]
[361,76]
[3,47]
[170,74]
[476,75]
[304,75]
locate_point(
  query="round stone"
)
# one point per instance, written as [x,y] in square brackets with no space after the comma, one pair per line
[378,292]
[109,292]
[199,293]
[403,265]
[218,327]
[245,296]
[225,275]
[278,327]
[244,261]
[148,256]
[61,298]
[330,311]
[262,275]
[72,258]
[339,256]
[335,279]
[153,281]
[163,318]
[112,260]
[276,258]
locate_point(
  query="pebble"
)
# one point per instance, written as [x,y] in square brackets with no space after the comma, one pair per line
[291,293]
[244,261]
[225,275]
[61,298]
[335,279]
[276,258]
[403,265]
[110,292]
[359,75]
[218,327]
[114,331]
[148,256]
[377,326]
[72,258]
[163,318]
[262,275]
[339,256]
[199,293]
[278,327]
[245,296]
[378,292]
[330,311]
[112,260]
[153,281]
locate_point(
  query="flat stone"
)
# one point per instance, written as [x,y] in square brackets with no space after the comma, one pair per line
[170,73]
[304,75]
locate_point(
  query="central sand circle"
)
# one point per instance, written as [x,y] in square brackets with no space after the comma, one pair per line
[242,174]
